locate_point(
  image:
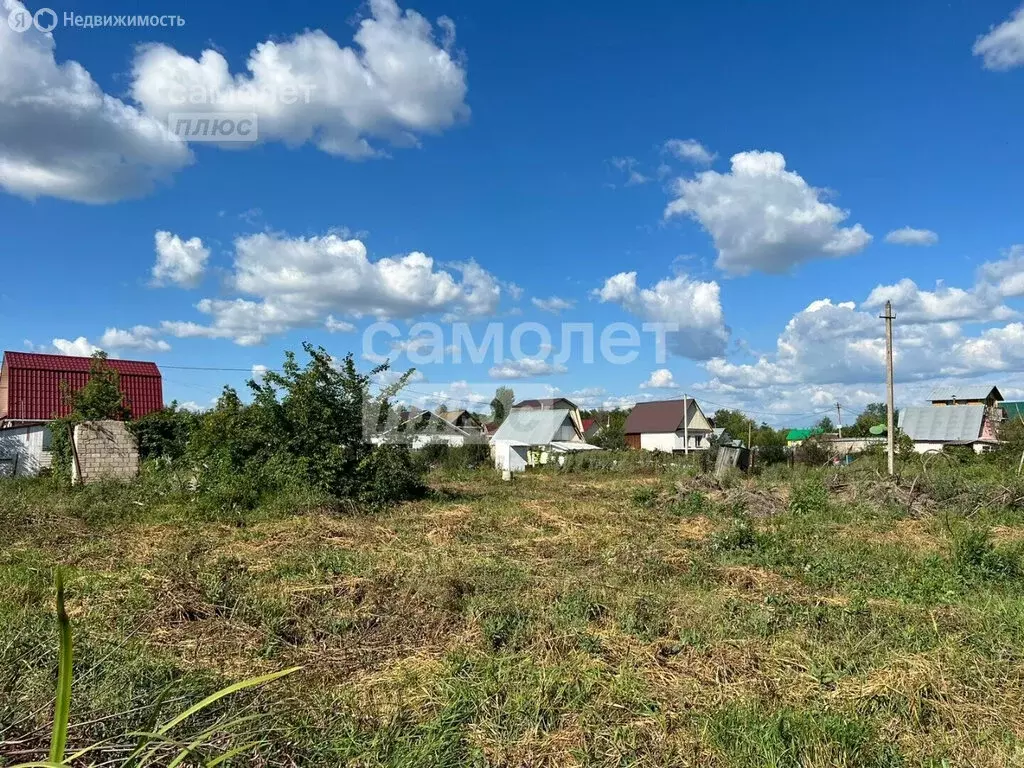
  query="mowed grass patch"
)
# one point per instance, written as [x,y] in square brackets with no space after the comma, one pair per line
[589,618]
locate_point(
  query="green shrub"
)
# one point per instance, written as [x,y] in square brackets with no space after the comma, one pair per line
[974,554]
[739,536]
[691,504]
[645,496]
[164,434]
[388,474]
[809,497]
[306,428]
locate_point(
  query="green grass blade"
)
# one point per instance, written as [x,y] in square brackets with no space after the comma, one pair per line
[204,737]
[231,753]
[240,686]
[62,708]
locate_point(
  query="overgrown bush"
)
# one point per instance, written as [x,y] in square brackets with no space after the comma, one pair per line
[306,426]
[164,434]
[768,455]
[628,462]
[388,474]
[809,497]
[812,453]
[453,458]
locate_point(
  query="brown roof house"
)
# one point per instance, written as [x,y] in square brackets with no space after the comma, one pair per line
[673,426]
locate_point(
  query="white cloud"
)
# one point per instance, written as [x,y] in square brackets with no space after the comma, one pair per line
[660,379]
[944,303]
[690,150]
[996,281]
[553,304]
[911,236]
[763,217]
[628,166]
[834,351]
[179,261]
[396,82]
[258,371]
[61,136]
[338,326]
[1003,47]
[1006,276]
[693,306]
[191,405]
[80,347]
[140,337]
[308,282]
[525,368]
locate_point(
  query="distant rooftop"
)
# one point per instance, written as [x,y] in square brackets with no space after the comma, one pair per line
[970,392]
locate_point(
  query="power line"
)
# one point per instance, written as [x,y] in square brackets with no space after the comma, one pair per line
[437,397]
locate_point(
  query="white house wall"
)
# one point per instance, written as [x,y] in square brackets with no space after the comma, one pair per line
[25,444]
[673,442]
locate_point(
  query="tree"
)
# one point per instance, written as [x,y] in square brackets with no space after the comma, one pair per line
[101,397]
[872,415]
[320,416]
[612,436]
[733,422]
[504,397]
[826,425]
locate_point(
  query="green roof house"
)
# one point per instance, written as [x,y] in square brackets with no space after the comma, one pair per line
[796,436]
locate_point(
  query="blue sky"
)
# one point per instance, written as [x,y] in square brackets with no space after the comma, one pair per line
[746,161]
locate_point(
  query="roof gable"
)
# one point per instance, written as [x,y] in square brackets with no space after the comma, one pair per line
[534,427]
[665,416]
[32,385]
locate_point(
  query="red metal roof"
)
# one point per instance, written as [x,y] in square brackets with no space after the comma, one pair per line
[30,384]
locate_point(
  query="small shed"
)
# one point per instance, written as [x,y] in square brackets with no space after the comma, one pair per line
[537,434]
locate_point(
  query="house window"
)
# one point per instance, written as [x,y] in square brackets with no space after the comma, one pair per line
[47,439]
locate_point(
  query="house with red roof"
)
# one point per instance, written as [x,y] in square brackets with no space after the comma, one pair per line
[32,393]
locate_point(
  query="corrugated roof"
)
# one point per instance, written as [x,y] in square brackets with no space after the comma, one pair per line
[544,402]
[953,422]
[1014,408]
[659,416]
[533,427]
[803,434]
[34,384]
[38,362]
[966,392]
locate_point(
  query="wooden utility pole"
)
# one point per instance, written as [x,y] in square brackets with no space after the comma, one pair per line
[686,425]
[839,413]
[889,428]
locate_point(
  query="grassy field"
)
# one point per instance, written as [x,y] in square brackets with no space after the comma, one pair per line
[801,618]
